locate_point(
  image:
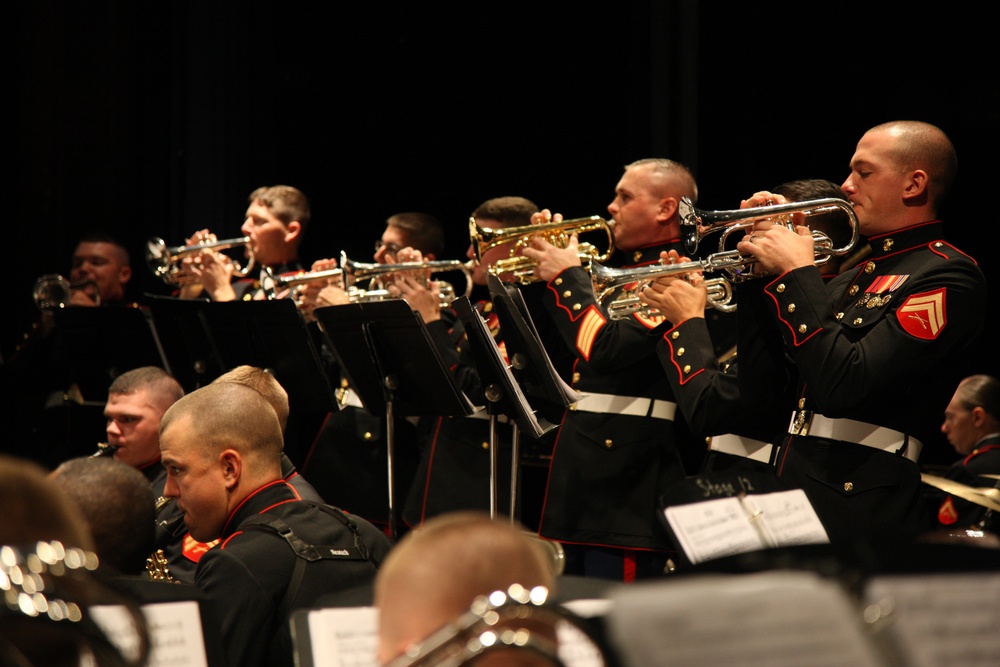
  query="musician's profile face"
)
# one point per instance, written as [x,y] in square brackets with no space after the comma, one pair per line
[105,265]
[196,478]
[133,426]
[959,427]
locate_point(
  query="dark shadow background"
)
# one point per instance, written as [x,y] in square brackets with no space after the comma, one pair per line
[158,118]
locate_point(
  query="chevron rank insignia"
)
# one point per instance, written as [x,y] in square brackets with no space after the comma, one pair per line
[923,315]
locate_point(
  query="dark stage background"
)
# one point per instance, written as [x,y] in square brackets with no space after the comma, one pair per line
[158,118]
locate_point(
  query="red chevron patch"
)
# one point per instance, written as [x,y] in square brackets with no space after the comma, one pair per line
[923,315]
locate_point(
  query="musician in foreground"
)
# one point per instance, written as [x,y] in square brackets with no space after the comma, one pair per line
[616,451]
[870,348]
[220,446]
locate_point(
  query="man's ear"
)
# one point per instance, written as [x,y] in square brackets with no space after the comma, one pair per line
[666,209]
[916,185]
[231,463]
[124,273]
[978,416]
[294,231]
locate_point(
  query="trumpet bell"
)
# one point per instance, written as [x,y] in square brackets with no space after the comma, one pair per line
[166,262]
[52,291]
[558,234]
[696,224]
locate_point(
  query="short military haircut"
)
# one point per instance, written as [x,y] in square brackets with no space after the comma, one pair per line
[423,231]
[675,178]
[103,237]
[160,385]
[451,559]
[116,501]
[287,203]
[920,145]
[264,382]
[980,391]
[230,415]
[508,211]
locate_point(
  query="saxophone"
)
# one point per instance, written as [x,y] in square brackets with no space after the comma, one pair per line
[156,565]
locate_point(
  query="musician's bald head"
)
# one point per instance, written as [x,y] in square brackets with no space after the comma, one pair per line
[266,384]
[433,575]
[218,444]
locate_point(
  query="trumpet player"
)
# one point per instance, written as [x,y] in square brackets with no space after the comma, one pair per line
[101,267]
[275,222]
[741,431]
[873,348]
[616,451]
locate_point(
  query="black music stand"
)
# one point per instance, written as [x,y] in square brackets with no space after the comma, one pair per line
[389,358]
[503,394]
[102,343]
[530,363]
[204,339]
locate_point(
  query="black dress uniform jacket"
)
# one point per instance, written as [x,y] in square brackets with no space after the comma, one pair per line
[250,573]
[609,470]
[958,512]
[871,346]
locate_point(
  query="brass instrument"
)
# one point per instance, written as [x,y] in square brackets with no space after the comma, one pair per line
[737,267]
[104,449]
[375,273]
[696,224]
[273,285]
[557,233]
[518,619]
[166,263]
[53,291]
[156,565]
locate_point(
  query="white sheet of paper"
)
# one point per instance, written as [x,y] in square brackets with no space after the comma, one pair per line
[941,620]
[725,526]
[175,632]
[776,618]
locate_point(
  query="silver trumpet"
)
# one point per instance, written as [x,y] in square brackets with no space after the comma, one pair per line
[167,262]
[735,266]
[376,274]
[696,224]
[627,303]
[557,233]
[52,291]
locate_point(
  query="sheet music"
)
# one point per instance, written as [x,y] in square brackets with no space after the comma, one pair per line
[725,526]
[752,620]
[175,632]
[940,620]
[344,636]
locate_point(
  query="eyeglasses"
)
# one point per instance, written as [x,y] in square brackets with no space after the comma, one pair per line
[390,248]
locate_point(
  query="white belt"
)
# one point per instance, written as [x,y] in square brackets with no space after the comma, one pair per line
[738,445]
[877,437]
[626,405]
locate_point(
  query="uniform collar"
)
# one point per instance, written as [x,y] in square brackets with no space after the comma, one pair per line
[645,255]
[906,238]
[258,502]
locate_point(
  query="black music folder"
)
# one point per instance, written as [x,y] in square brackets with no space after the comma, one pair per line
[102,343]
[387,354]
[529,361]
[504,395]
[204,339]
[385,351]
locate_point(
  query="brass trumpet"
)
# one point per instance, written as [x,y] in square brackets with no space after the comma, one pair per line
[557,233]
[165,262]
[53,291]
[374,272]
